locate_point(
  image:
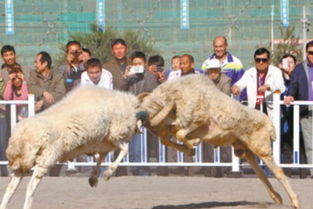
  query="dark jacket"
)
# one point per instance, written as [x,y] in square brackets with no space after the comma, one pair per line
[298,85]
[71,76]
[142,82]
[119,82]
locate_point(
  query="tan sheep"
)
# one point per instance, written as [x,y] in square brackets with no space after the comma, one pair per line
[89,120]
[193,110]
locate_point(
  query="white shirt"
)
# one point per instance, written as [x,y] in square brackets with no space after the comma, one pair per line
[106,80]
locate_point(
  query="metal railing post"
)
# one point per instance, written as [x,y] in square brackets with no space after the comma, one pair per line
[276,122]
[31,105]
[235,161]
[296,134]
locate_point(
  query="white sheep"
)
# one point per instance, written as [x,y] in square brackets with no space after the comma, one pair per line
[89,120]
[192,109]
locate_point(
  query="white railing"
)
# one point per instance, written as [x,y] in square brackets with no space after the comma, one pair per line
[234,164]
[13,119]
[296,132]
[13,103]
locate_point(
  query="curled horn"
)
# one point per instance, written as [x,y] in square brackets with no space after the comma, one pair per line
[156,120]
[142,95]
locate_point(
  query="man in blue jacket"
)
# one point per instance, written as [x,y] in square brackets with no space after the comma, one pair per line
[230,65]
[301,88]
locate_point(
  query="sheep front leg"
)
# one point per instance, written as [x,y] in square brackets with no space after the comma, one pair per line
[93,179]
[181,135]
[39,172]
[179,147]
[15,180]
[112,168]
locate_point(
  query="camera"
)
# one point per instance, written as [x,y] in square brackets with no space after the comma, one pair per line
[76,53]
[136,69]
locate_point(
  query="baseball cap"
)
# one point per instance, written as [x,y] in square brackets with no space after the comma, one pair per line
[211,64]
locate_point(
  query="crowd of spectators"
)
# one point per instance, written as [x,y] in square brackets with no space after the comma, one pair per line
[136,73]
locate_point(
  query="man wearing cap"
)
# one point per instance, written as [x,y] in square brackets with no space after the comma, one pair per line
[222,81]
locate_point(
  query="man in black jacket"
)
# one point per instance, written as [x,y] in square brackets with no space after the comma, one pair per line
[301,88]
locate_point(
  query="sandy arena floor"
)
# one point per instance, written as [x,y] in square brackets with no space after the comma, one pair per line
[155,192]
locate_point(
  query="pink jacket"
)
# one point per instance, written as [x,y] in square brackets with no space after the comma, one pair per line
[9,95]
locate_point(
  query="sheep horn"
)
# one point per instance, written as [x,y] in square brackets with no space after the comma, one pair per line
[142,95]
[156,120]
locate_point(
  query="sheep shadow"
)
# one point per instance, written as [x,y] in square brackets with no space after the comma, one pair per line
[215,205]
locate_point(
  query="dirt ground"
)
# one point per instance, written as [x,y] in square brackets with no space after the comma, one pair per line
[154,192]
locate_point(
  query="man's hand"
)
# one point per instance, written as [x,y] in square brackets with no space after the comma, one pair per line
[69,58]
[161,76]
[288,99]
[127,72]
[38,105]
[235,90]
[264,88]
[48,97]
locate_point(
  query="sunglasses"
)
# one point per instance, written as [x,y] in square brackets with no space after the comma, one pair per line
[310,52]
[261,60]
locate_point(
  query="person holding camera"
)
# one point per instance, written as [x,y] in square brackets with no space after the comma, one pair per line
[139,79]
[73,67]
[16,89]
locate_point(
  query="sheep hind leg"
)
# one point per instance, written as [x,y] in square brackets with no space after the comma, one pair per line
[250,157]
[15,180]
[93,179]
[39,172]
[112,168]
[281,177]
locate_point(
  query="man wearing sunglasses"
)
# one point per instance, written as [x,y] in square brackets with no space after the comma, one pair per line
[261,82]
[301,88]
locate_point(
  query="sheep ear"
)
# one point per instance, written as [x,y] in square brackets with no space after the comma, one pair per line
[156,120]
[142,95]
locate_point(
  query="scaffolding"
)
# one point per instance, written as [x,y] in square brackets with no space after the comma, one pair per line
[45,24]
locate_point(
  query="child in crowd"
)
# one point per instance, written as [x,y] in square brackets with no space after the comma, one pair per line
[175,61]
[176,71]
[16,89]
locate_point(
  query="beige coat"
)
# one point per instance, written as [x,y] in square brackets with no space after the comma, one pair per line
[119,82]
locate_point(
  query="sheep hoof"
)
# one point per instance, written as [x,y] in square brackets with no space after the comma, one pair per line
[93,182]
[296,204]
[277,198]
